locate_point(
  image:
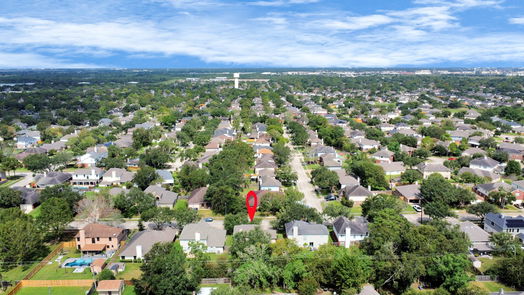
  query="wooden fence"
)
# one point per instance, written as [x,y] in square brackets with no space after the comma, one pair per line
[211,281]
[39,266]
[57,283]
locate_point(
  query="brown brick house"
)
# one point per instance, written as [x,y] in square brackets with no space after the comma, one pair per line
[97,238]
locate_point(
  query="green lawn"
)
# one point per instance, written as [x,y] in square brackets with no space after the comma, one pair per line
[357,210]
[11,180]
[409,210]
[36,212]
[492,286]
[54,291]
[54,272]
[488,263]
[129,290]
[18,272]
[132,271]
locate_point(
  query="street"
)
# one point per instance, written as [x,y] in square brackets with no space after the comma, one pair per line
[304,183]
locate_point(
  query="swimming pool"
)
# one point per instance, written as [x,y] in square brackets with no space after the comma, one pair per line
[80,262]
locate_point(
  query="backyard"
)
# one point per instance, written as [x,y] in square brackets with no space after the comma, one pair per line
[55,291]
[53,271]
[132,271]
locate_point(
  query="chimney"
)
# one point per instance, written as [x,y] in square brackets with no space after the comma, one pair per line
[295,231]
[96,149]
[93,172]
[358,179]
[139,254]
[197,237]
[113,174]
[369,187]
[348,234]
[82,234]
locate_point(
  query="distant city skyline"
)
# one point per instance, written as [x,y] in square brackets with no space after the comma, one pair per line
[261,33]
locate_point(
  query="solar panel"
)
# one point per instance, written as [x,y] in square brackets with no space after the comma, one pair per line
[515,223]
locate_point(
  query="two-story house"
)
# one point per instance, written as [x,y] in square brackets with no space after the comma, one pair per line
[496,222]
[306,234]
[97,238]
[214,239]
[351,231]
[87,177]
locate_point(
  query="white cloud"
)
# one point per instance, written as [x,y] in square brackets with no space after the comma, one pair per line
[272,20]
[9,60]
[462,3]
[277,3]
[517,20]
[357,22]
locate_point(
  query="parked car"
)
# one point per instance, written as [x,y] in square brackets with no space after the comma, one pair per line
[330,198]
[417,208]
[209,219]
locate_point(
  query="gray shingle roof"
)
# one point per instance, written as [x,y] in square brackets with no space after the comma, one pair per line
[147,239]
[306,228]
[358,225]
[213,236]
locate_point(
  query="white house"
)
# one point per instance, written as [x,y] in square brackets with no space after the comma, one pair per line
[485,163]
[307,234]
[87,177]
[352,231]
[214,239]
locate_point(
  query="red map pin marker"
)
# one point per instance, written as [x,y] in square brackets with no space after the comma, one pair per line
[251,204]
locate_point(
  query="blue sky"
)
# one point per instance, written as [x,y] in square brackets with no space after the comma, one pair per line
[261,33]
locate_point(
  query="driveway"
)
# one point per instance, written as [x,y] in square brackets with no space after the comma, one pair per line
[28,177]
[304,182]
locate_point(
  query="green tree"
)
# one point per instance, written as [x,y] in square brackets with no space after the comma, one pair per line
[308,286]
[55,215]
[191,177]
[286,176]
[505,244]
[509,270]
[353,269]
[223,199]
[106,274]
[135,202]
[141,138]
[144,177]
[9,164]
[281,153]
[324,178]
[231,220]
[10,197]
[481,209]
[501,197]
[374,204]
[370,174]
[166,271]
[411,176]
[37,162]
[64,192]
[295,211]
[256,274]
[513,168]
[185,216]
[449,271]
[336,209]
[155,158]
[160,216]
[245,240]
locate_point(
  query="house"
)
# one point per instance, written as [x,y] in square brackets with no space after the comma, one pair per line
[351,231]
[97,238]
[331,162]
[392,168]
[356,193]
[478,237]
[307,234]
[427,169]
[97,265]
[167,177]
[485,163]
[213,238]
[265,162]
[196,199]
[486,188]
[116,176]
[408,193]
[322,150]
[472,151]
[142,242]
[124,141]
[23,142]
[269,183]
[249,227]
[51,178]
[164,198]
[496,223]
[482,173]
[344,179]
[87,177]
[471,115]
[30,198]
[110,287]
[54,146]
[383,156]
[90,159]
[365,144]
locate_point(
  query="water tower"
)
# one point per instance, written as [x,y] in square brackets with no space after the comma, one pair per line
[236,76]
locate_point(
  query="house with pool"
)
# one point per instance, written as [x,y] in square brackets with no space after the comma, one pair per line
[95,239]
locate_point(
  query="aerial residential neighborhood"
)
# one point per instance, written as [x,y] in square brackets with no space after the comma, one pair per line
[343,176]
[262,147]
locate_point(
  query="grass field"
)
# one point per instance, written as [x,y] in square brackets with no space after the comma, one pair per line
[54,272]
[129,290]
[132,271]
[17,273]
[357,210]
[488,263]
[54,291]
[36,212]
[492,286]
[11,180]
